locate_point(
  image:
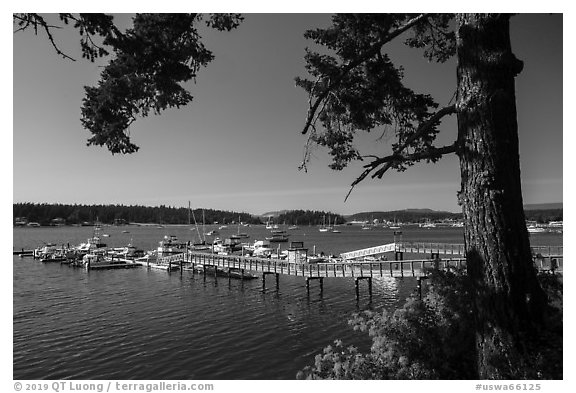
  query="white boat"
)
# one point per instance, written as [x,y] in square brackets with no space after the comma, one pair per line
[92,244]
[556,224]
[366,226]
[260,248]
[170,246]
[536,229]
[127,252]
[102,261]
[428,225]
[323,228]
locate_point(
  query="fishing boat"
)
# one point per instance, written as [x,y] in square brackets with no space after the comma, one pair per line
[170,246]
[92,244]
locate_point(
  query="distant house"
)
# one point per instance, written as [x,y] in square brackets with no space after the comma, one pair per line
[119,221]
[58,222]
[20,221]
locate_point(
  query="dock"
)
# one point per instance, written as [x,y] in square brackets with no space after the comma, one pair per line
[351,265]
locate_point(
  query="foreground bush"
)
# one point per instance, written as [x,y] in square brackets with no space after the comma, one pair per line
[433,338]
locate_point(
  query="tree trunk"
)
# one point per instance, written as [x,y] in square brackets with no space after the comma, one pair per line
[509,302]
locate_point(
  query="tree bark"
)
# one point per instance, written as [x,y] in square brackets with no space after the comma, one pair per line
[509,303]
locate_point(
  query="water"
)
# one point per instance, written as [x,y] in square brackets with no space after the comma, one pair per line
[149,324]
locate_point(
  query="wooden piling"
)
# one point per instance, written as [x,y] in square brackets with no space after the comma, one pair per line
[370,286]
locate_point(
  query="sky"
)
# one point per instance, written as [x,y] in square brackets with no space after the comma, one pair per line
[238,145]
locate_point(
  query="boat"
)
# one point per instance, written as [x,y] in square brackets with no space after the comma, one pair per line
[127,252]
[239,235]
[151,261]
[101,261]
[334,229]
[230,273]
[278,238]
[92,244]
[536,229]
[212,233]
[269,224]
[226,246]
[170,246]
[260,248]
[428,225]
[323,228]
[57,256]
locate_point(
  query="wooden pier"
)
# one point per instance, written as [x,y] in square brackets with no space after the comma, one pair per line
[546,258]
[310,271]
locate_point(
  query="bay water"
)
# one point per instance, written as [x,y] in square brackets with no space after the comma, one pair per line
[69,323]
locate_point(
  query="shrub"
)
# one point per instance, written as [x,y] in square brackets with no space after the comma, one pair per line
[432,338]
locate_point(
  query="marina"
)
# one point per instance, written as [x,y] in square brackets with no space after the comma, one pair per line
[184,317]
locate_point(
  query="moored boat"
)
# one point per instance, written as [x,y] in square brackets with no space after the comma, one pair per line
[278,238]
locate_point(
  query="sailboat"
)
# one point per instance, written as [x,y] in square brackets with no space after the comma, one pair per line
[239,235]
[269,224]
[395,226]
[201,245]
[323,228]
[334,229]
[294,227]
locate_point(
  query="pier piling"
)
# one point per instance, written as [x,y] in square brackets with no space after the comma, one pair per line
[357,286]
[320,279]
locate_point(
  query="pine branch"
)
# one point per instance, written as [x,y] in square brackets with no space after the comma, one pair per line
[375,49]
[388,161]
[36,20]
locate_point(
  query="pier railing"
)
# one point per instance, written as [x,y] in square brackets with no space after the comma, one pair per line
[414,268]
[431,248]
[435,248]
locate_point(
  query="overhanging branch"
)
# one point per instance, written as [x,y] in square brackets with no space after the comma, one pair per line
[353,64]
[388,161]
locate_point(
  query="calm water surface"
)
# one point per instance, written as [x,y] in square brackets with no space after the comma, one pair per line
[146,324]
